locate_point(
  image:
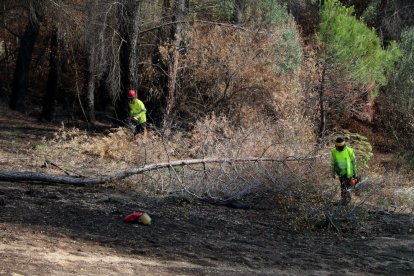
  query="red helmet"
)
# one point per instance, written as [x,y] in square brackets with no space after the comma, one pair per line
[132,93]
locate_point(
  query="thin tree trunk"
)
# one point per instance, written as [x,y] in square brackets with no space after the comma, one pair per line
[134,37]
[239,6]
[91,71]
[90,94]
[6,47]
[322,126]
[172,82]
[177,41]
[157,105]
[51,87]
[122,103]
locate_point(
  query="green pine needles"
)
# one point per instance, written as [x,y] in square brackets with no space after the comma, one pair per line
[402,98]
[404,74]
[363,149]
[274,13]
[356,47]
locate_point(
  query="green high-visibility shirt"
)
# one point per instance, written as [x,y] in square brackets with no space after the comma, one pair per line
[137,110]
[343,162]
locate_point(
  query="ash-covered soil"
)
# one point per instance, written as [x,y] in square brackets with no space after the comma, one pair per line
[62,230]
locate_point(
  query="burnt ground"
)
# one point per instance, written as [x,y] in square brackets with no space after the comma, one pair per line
[62,230]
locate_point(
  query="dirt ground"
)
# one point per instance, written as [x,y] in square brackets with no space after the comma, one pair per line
[65,230]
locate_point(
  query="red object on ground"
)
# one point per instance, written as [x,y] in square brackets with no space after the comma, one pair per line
[353,181]
[132,217]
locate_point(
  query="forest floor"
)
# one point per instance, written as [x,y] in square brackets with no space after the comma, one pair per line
[65,230]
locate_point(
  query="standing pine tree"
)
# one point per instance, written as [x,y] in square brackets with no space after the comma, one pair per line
[353,63]
[398,108]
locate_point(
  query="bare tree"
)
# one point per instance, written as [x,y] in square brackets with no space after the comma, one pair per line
[179,17]
[91,72]
[51,87]
[129,30]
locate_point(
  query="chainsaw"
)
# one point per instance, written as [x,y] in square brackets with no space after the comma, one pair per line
[355,183]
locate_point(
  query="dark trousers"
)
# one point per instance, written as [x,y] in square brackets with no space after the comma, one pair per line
[140,128]
[345,195]
[137,127]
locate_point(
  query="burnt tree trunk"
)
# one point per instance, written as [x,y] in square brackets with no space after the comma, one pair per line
[134,38]
[90,87]
[52,81]
[129,30]
[322,126]
[170,93]
[157,104]
[90,71]
[103,96]
[24,58]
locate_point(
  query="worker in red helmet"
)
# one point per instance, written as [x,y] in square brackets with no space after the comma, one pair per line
[138,113]
[344,165]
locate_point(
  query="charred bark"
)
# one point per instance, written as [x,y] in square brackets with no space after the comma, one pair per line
[24,58]
[157,104]
[129,30]
[90,71]
[170,93]
[52,81]
[103,96]
[90,90]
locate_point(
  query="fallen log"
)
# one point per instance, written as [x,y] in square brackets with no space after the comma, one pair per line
[82,181]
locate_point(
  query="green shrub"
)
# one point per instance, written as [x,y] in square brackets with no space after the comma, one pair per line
[371,12]
[273,13]
[398,109]
[224,10]
[404,74]
[357,48]
[287,47]
[363,150]
[288,51]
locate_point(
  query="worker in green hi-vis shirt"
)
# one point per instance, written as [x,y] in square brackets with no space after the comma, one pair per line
[343,165]
[137,112]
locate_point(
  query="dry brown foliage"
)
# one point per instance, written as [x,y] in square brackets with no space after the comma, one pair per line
[302,191]
[214,137]
[232,72]
[345,101]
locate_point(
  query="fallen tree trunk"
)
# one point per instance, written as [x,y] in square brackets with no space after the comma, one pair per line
[82,181]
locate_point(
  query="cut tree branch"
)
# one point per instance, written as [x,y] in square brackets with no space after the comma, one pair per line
[82,181]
